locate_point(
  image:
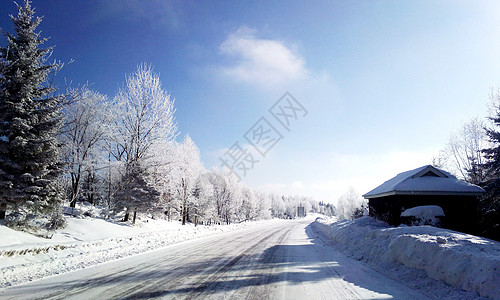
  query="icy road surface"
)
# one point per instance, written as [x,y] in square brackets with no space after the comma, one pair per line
[277,260]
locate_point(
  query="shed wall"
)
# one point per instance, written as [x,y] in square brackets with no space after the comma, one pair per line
[460,211]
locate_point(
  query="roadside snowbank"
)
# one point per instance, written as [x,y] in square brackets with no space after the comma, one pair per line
[88,241]
[461,260]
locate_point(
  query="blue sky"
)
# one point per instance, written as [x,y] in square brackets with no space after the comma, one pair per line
[384,82]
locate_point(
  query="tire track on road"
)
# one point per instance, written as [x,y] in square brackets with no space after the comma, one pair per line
[199,277]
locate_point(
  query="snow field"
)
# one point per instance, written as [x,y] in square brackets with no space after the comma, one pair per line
[461,260]
[87,242]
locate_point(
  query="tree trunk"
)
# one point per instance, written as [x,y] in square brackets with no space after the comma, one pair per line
[3,209]
[75,184]
[109,180]
[74,191]
[91,198]
[184,209]
[184,215]
[135,215]
[126,217]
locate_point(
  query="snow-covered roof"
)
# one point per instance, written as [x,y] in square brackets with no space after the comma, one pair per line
[426,180]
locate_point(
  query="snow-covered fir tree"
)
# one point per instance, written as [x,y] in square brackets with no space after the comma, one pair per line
[136,193]
[493,153]
[30,166]
[489,204]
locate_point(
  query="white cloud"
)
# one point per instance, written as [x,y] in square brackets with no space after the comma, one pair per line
[262,62]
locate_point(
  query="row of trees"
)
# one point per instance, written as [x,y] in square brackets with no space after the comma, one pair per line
[350,205]
[130,162]
[473,154]
[120,153]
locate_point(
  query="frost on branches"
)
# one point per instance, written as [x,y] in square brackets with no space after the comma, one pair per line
[30,195]
[118,153]
[144,119]
[351,205]
[82,136]
[187,170]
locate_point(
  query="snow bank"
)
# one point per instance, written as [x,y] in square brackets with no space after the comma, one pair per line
[461,260]
[86,242]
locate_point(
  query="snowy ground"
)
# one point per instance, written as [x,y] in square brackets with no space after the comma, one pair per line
[88,241]
[269,259]
[419,254]
[280,259]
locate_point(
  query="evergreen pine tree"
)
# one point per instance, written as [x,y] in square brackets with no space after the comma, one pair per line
[30,118]
[489,204]
[492,154]
[136,194]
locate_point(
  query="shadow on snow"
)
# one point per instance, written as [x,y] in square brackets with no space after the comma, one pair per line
[239,275]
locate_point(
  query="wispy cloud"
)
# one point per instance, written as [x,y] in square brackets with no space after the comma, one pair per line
[262,62]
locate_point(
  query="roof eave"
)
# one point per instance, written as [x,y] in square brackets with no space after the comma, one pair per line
[423,193]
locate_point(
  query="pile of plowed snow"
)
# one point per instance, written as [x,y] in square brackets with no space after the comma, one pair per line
[461,260]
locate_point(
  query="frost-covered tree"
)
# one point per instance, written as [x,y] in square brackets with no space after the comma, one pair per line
[247,210]
[86,120]
[144,118]
[263,206]
[29,122]
[278,207]
[203,194]
[162,170]
[326,209]
[287,206]
[223,196]
[111,175]
[463,154]
[188,168]
[350,205]
[136,193]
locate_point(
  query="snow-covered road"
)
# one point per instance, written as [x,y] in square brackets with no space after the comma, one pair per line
[280,260]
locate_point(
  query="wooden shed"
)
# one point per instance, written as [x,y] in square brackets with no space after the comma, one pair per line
[426,185]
